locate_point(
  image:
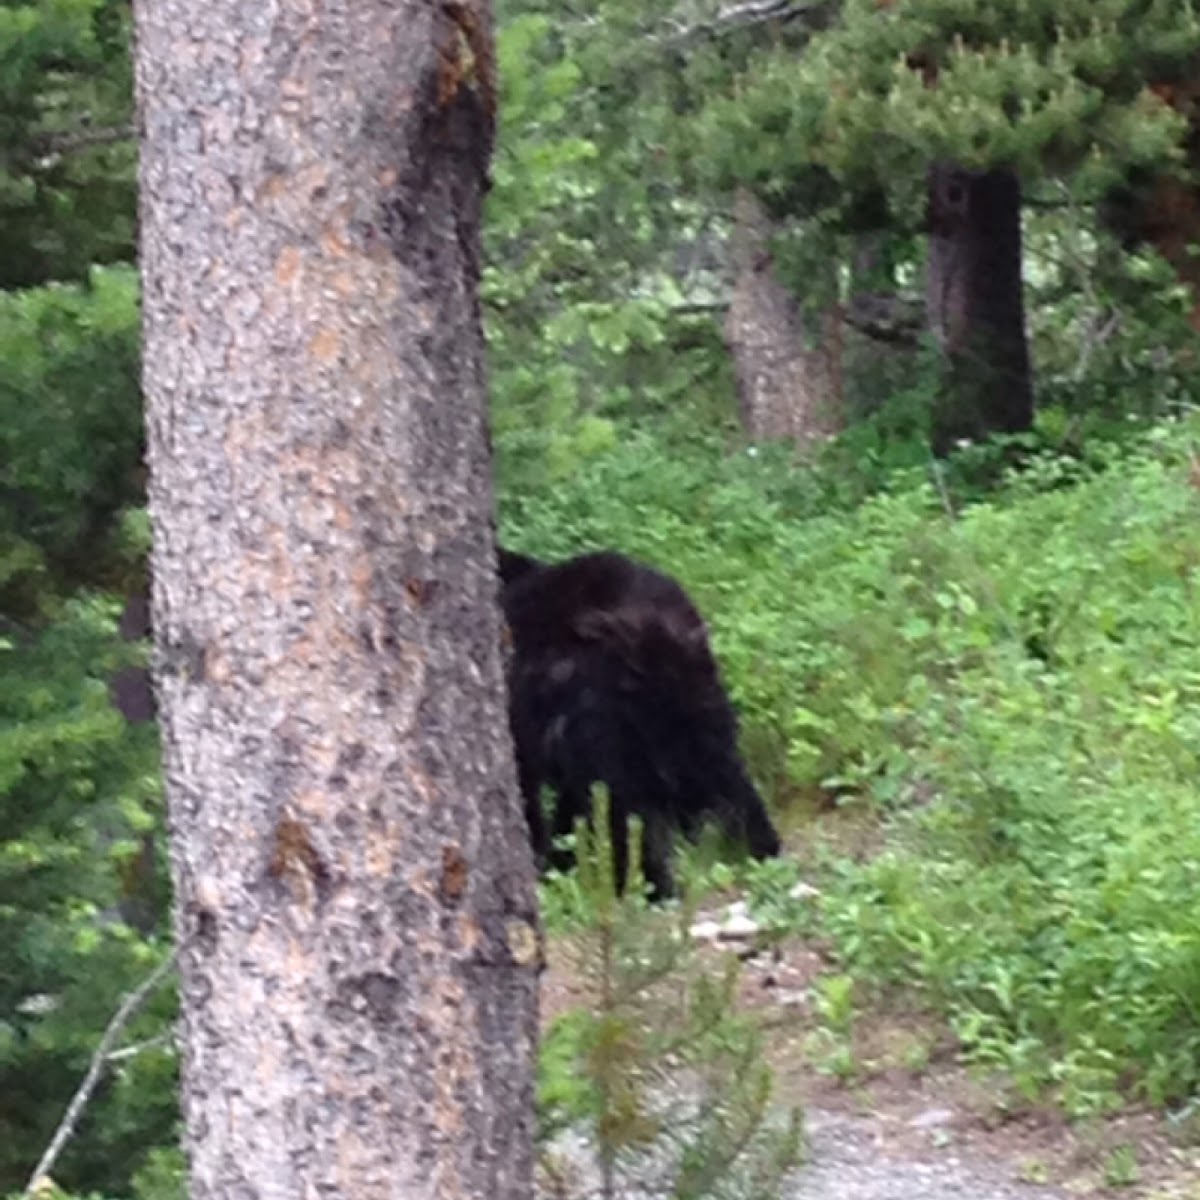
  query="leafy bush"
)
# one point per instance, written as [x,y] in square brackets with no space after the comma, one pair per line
[654,1082]
[84,901]
[70,433]
[1012,683]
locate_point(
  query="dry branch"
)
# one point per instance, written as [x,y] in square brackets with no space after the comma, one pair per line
[128,1007]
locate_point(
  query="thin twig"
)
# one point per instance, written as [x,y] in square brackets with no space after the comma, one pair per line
[158,1042]
[940,480]
[72,141]
[120,1018]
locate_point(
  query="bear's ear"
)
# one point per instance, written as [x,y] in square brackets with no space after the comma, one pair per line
[514,566]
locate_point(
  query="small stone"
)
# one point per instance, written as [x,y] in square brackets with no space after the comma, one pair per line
[738,928]
[932,1118]
[803,891]
[705,931]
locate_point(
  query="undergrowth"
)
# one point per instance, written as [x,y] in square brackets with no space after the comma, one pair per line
[1010,682]
[653,1083]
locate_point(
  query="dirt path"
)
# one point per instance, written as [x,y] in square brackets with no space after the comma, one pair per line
[850,1162]
[897,1118]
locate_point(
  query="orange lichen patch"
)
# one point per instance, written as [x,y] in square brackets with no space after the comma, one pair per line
[266,568]
[333,237]
[361,575]
[455,1062]
[469,934]
[296,861]
[287,266]
[455,872]
[380,856]
[421,882]
[343,517]
[294,88]
[423,786]
[323,642]
[274,186]
[216,666]
[324,345]
[466,55]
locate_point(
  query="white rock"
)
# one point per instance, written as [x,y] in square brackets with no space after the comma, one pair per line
[738,926]
[932,1118]
[792,997]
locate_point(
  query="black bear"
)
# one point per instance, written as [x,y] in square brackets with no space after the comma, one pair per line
[612,680]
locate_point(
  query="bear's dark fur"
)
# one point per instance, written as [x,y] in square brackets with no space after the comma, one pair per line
[612,680]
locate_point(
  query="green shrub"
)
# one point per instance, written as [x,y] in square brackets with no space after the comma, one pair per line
[83,907]
[655,1070]
[1013,684]
[70,433]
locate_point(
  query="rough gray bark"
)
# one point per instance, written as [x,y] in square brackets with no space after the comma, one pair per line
[975,303]
[785,388]
[354,886]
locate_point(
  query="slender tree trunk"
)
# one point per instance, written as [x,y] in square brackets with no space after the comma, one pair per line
[975,303]
[786,389]
[354,885]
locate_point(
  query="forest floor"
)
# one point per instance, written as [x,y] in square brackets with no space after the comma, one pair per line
[892,1114]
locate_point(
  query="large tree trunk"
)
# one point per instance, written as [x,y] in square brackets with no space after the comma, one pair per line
[786,389]
[354,885]
[975,303]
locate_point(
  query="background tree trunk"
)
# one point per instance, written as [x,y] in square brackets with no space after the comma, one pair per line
[785,388]
[354,884]
[975,303]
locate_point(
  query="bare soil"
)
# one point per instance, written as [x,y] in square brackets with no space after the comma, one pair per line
[894,1082]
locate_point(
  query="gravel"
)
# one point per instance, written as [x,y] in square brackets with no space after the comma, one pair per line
[846,1163]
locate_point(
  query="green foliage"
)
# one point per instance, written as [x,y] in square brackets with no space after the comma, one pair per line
[1040,895]
[70,435]
[587,325]
[83,898]
[655,1070]
[1047,88]
[998,665]
[1110,331]
[1011,682]
[67,154]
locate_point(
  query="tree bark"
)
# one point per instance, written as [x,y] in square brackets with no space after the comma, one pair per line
[786,389]
[354,886]
[976,305]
